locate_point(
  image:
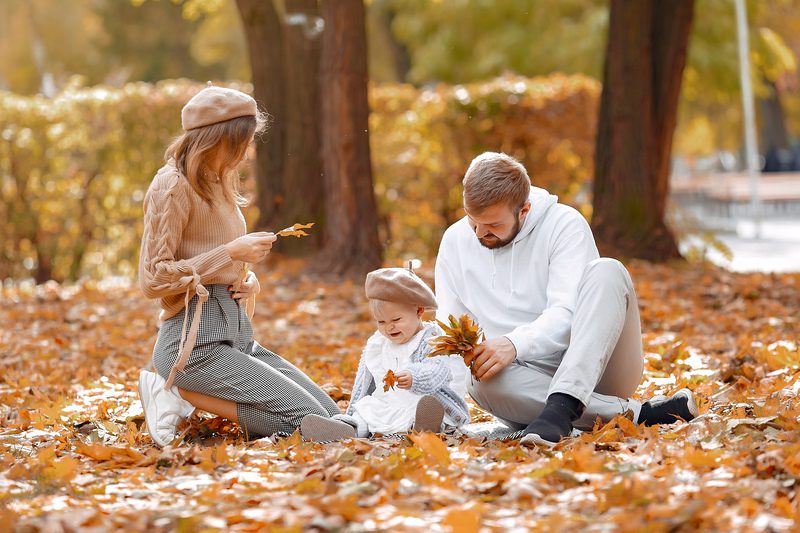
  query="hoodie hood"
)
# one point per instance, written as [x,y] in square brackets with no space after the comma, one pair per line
[541,200]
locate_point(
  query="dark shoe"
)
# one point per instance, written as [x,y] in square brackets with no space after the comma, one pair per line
[667,410]
[555,421]
[320,429]
[430,414]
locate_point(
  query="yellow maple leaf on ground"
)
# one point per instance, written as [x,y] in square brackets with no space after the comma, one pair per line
[466,518]
[432,446]
[460,337]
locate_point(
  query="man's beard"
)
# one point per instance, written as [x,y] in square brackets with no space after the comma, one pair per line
[495,242]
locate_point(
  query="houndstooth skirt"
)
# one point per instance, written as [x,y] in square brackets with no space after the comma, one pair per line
[271,394]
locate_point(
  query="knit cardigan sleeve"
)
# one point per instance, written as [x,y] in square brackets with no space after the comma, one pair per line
[167,208]
[429,375]
[432,376]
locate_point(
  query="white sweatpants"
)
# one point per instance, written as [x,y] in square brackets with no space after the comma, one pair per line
[601,367]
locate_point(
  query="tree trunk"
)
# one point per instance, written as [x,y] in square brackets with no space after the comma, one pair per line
[351,236]
[284,59]
[645,57]
[264,36]
[302,190]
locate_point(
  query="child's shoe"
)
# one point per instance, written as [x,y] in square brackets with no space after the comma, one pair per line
[430,414]
[321,429]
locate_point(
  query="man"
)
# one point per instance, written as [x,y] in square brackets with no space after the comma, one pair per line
[562,325]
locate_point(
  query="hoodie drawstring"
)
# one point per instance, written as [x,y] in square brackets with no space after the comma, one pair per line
[511,275]
[494,267]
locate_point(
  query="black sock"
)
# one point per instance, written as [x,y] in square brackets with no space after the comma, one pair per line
[555,421]
[666,411]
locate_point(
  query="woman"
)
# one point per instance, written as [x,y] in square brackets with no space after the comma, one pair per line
[194,249]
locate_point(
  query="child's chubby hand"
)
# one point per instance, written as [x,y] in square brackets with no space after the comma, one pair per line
[404,379]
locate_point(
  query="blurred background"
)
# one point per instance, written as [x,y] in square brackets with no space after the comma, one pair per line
[91,92]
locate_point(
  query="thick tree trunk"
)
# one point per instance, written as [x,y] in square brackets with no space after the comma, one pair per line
[645,57]
[351,236]
[285,64]
[302,190]
[263,32]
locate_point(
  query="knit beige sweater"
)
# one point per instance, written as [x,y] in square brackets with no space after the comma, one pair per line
[183,241]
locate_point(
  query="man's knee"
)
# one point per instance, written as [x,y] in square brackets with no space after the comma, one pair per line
[606,269]
[496,393]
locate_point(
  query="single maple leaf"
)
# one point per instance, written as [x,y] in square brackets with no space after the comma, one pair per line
[389,380]
[461,336]
[295,230]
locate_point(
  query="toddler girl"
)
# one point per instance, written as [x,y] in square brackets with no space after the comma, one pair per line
[424,395]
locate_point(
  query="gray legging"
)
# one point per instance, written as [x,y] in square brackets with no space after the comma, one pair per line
[271,394]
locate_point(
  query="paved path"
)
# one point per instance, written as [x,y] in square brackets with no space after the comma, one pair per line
[778,249]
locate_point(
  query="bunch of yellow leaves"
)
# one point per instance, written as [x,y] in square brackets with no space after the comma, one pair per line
[460,338]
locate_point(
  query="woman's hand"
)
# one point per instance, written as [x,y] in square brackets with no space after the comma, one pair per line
[251,248]
[249,287]
[404,379]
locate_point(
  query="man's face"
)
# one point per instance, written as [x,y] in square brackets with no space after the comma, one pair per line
[497,225]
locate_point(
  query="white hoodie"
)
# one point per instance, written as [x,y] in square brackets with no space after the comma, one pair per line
[525,290]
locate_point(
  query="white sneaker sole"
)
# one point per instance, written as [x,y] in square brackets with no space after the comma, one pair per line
[533,438]
[691,404]
[148,415]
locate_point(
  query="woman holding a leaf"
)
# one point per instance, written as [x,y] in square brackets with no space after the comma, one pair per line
[194,257]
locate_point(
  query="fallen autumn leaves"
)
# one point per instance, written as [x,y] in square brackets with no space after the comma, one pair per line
[73,456]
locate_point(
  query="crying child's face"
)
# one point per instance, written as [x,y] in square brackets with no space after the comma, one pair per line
[397,322]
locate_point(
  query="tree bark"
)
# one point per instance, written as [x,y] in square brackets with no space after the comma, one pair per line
[302,190]
[645,58]
[285,63]
[351,236]
[264,36]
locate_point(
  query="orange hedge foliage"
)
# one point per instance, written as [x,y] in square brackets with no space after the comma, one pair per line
[73,169]
[423,141]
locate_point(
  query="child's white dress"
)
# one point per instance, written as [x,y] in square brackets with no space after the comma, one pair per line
[394,410]
[391,411]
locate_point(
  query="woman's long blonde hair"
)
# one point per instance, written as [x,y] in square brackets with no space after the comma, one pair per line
[197,151]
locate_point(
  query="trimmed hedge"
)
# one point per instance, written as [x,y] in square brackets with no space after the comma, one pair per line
[74,169]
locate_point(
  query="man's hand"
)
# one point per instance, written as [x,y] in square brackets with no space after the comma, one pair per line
[404,379]
[491,357]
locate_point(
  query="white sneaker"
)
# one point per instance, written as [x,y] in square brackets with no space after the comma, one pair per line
[163,409]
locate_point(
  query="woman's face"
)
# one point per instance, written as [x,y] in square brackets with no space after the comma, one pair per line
[397,322]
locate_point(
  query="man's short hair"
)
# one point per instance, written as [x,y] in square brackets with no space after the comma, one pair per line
[494,178]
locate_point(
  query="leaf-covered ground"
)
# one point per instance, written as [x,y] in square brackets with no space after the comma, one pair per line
[73,455]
